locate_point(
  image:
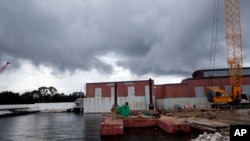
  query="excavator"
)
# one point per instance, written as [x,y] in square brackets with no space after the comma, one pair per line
[232,98]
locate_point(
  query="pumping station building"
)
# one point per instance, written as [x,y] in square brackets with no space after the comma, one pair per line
[101,96]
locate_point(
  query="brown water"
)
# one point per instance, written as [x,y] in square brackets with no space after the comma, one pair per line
[75,127]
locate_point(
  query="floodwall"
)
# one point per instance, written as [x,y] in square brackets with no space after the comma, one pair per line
[104,104]
[42,106]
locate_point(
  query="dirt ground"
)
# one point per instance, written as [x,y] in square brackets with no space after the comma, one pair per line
[225,116]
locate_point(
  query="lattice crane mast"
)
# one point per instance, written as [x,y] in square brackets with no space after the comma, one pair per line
[234,53]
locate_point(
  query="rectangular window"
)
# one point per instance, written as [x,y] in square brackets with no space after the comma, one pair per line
[131,91]
[246,89]
[228,88]
[199,92]
[112,92]
[98,92]
[147,98]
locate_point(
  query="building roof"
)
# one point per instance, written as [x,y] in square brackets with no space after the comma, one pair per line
[129,81]
[223,72]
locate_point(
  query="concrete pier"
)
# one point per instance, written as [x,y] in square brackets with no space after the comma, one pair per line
[112,127]
[172,125]
[168,124]
[208,125]
[140,122]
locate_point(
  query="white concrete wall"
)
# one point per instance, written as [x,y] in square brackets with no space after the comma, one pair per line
[99,105]
[17,106]
[55,106]
[42,106]
[169,103]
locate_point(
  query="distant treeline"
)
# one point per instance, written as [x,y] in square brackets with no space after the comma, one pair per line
[42,95]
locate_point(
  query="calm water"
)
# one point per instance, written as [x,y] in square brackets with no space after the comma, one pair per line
[78,127]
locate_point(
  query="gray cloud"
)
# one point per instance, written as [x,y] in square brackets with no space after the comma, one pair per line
[160,37]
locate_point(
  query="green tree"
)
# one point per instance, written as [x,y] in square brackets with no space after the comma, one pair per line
[27,98]
[52,92]
[36,96]
[8,97]
[43,91]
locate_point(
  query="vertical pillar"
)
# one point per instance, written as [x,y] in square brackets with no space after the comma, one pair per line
[150,92]
[115,98]
[82,104]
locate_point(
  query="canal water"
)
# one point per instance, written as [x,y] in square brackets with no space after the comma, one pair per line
[75,127]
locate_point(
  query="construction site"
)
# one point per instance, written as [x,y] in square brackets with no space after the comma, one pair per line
[210,100]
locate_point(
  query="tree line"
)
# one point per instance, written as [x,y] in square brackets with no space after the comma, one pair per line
[41,95]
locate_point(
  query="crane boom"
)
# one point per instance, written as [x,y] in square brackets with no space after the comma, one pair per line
[234,53]
[234,46]
[3,68]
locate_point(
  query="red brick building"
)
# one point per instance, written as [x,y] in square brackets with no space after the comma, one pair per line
[197,85]
[100,97]
[192,91]
[124,88]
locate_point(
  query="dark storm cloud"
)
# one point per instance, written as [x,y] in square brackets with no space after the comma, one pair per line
[163,37]
[30,32]
[184,44]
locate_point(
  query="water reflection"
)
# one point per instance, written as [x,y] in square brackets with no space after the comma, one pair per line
[76,127]
[148,134]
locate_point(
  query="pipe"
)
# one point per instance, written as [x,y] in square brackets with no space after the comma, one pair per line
[115,99]
[150,92]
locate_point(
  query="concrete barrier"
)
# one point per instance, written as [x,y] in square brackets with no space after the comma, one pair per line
[172,125]
[42,106]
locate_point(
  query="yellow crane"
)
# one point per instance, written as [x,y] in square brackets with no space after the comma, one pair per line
[234,53]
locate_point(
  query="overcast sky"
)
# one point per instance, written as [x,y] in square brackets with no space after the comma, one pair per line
[67,43]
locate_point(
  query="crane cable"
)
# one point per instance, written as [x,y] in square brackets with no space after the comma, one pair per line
[214,39]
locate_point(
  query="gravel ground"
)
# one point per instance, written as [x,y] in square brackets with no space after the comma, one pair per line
[235,117]
[226,116]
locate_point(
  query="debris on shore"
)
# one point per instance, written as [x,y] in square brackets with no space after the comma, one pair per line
[212,137]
